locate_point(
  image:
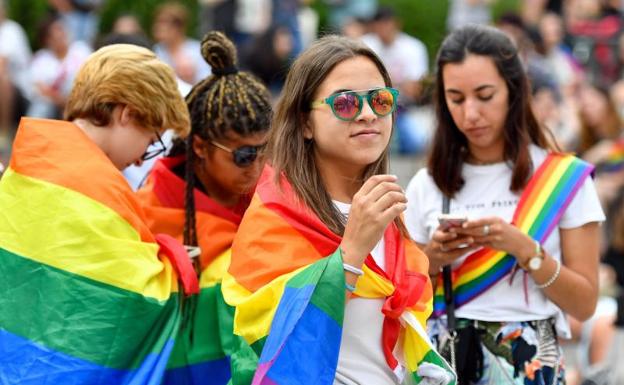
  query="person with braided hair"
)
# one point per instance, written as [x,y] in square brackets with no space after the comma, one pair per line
[198,193]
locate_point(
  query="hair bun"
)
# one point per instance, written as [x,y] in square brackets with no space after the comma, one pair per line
[220,53]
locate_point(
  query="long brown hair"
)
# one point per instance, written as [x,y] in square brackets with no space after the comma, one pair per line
[611,123]
[289,151]
[450,146]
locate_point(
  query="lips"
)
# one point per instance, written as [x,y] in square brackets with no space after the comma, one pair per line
[366,132]
[476,130]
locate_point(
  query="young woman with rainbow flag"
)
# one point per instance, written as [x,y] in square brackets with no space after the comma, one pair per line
[89,295]
[529,250]
[198,194]
[327,286]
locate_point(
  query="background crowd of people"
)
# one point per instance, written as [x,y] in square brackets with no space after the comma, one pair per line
[571,50]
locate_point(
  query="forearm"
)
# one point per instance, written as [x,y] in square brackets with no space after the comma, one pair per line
[572,292]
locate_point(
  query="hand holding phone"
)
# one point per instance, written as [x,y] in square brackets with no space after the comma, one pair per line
[448,221]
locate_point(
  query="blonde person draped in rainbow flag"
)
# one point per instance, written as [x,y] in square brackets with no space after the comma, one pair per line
[528,251]
[89,295]
[327,286]
[198,194]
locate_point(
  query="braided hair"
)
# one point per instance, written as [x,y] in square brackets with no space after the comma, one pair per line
[226,100]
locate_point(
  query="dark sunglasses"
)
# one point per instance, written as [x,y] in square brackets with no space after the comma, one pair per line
[347,105]
[243,156]
[150,154]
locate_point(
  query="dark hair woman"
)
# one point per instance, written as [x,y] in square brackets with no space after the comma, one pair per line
[198,194]
[510,190]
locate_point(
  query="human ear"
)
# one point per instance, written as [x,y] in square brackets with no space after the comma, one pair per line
[125,116]
[199,146]
[308,131]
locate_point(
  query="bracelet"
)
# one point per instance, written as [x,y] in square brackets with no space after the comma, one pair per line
[351,288]
[553,278]
[352,269]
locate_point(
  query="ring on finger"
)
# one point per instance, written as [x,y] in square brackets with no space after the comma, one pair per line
[486,230]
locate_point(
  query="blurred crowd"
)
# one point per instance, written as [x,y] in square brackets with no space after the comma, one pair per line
[573,51]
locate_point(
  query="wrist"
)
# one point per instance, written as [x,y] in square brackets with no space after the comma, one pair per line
[535,260]
[351,256]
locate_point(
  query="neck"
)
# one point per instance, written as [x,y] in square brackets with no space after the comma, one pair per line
[93,132]
[61,52]
[341,182]
[175,42]
[212,188]
[484,156]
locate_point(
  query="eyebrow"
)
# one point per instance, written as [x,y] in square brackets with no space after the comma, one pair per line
[480,88]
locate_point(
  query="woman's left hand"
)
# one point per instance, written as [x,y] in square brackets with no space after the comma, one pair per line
[495,233]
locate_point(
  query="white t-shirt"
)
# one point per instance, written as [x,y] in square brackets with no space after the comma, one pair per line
[361,359]
[486,193]
[15,49]
[406,58]
[49,70]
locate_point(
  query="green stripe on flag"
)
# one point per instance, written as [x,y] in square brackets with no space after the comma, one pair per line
[81,317]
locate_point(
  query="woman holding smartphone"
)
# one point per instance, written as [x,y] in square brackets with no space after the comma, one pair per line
[528,252]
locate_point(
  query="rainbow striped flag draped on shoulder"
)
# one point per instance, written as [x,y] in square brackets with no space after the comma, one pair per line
[206,349]
[85,296]
[542,203]
[287,283]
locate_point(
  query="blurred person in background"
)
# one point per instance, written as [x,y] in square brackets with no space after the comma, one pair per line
[565,68]
[127,24]
[174,47]
[464,12]
[79,18]
[594,27]
[342,10]
[15,57]
[407,62]
[599,120]
[53,69]
[268,57]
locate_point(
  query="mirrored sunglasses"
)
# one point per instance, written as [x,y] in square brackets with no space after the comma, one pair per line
[347,105]
[242,156]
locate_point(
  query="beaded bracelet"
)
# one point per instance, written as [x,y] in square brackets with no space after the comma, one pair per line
[553,278]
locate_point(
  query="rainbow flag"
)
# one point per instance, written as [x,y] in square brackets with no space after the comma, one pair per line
[614,161]
[286,281]
[541,205]
[85,296]
[206,349]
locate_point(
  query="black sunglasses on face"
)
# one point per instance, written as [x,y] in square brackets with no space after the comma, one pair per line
[243,156]
[150,154]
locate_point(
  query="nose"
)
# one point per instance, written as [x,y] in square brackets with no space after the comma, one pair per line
[471,111]
[367,114]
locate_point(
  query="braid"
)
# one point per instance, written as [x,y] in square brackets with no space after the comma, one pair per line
[227,100]
[190,229]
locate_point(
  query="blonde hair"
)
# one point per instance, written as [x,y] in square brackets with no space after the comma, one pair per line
[123,74]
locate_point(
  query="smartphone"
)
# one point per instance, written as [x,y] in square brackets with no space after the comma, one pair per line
[448,221]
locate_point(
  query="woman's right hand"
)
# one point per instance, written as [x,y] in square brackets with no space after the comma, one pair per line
[378,202]
[445,247]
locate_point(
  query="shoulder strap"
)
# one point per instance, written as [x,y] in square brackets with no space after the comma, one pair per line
[447,278]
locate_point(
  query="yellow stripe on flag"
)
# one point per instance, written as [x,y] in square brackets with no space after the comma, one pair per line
[62,228]
[260,306]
